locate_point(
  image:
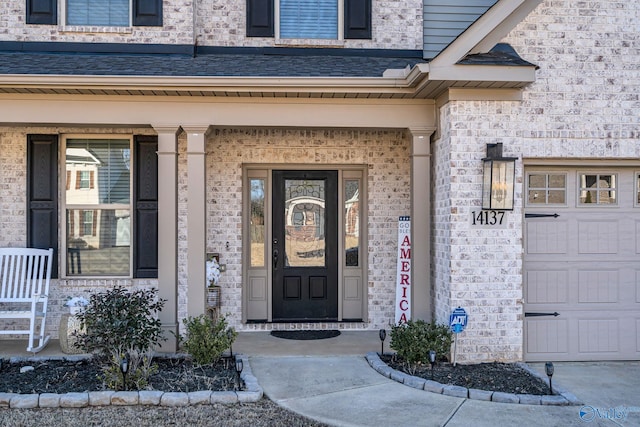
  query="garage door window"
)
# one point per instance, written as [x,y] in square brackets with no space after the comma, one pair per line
[598,189]
[546,188]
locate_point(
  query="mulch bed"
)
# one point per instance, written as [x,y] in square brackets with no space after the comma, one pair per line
[501,377]
[63,376]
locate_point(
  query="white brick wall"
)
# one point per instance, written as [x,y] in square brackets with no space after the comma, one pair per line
[396,25]
[386,153]
[584,104]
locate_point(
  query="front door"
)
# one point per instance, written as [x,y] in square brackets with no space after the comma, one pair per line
[305,246]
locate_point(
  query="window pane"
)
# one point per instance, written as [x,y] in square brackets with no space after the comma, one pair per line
[352,222]
[98,242]
[309,19]
[598,189]
[557,181]
[257,223]
[537,181]
[101,172]
[304,223]
[98,12]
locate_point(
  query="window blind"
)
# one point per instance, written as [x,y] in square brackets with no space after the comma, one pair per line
[309,19]
[98,12]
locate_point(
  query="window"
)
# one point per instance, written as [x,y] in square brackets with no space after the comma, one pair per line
[546,188]
[98,220]
[113,13]
[257,229]
[116,13]
[309,19]
[351,221]
[598,189]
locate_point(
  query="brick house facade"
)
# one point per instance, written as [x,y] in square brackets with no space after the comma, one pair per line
[410,127]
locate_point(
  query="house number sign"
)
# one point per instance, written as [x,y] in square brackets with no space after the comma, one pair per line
[488,219]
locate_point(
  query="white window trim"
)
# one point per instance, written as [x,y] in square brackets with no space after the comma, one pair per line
[62,185]
[279,40]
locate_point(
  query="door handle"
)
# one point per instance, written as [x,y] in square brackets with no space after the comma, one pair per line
[275,259]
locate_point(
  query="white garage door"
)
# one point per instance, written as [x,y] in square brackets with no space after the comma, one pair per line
[582,264]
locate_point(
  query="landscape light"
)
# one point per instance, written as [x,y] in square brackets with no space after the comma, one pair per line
[548,367]
[432,360]
[383,335]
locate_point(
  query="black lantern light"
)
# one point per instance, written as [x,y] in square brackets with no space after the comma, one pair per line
[124,368]
[383,335]
[239,367]
[498,176]
[432,360]
[548,367]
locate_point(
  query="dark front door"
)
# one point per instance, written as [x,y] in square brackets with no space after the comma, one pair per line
[305,245]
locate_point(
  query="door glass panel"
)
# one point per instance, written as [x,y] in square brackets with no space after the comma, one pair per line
[257,222]
[598,189]
[304,223]
[352,221]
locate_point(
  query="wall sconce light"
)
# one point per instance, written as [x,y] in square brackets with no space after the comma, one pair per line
[499,175]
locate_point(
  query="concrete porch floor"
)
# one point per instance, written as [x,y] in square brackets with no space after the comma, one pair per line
[348,343]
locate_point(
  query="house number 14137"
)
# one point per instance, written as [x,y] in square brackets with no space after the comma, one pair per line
[487,217]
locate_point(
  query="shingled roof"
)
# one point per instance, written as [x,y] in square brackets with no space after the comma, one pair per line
[219,63]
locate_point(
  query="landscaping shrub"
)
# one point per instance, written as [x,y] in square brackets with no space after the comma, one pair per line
[206,340]
[121,324]
[413,340]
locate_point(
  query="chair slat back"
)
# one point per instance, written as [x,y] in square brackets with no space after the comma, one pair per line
[24,272]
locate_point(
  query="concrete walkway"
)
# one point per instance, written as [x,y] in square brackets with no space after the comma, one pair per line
[330,381]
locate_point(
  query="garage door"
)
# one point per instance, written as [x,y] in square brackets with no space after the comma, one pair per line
[582,264]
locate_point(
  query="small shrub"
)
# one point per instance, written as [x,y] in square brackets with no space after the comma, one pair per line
[413,340]
[119,323]
[206,340]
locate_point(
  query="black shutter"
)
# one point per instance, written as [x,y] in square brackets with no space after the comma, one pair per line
[260,18]
[42,194]
[357,19]
[145,172]
[42,12]
[147,13]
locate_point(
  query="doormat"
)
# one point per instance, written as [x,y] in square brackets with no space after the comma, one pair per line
[306,335]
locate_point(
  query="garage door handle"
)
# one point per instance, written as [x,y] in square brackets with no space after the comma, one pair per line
[554,215]
[554,314]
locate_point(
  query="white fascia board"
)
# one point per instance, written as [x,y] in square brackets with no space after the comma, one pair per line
[487,31]
[241,84]
[484,73]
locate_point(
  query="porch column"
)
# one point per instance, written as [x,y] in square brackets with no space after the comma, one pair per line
[196,219]
[168,232]
[421,223]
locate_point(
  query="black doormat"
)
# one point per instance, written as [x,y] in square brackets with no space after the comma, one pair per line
[306,335]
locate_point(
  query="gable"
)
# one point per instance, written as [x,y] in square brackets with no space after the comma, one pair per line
[444,20]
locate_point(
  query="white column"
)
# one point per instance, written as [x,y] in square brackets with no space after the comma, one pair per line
[168,232]
[421,223]
[196,219]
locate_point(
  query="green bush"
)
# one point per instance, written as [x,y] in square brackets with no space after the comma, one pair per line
[206,340]
[121,324]
[413,340]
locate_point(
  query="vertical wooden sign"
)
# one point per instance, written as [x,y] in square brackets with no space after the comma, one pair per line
[403,282]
